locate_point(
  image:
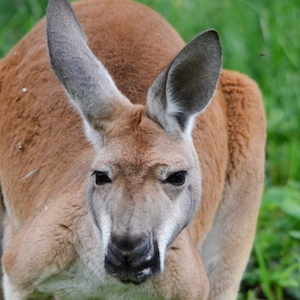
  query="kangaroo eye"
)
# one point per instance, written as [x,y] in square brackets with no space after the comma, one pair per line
[101,178]
[177,178]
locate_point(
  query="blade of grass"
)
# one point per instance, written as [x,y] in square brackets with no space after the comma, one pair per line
[263,272]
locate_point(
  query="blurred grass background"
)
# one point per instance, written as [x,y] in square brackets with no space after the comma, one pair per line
[260,38]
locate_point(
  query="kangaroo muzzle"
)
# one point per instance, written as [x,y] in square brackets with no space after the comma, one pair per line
[132,259]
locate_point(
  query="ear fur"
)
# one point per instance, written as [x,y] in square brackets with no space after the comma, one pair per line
[87,82]
[185,88]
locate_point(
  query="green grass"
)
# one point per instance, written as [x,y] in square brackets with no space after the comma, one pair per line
[274,267]
[260,38]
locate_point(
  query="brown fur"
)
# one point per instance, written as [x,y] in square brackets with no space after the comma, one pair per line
[41,132]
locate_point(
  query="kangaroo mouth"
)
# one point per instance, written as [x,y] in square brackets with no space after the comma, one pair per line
[135,279]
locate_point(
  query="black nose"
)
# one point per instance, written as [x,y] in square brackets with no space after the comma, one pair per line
[131,259]
[128,252]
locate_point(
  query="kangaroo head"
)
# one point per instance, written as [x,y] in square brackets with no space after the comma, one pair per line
[144,186]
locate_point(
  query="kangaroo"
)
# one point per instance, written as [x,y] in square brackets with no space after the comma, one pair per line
[131,164]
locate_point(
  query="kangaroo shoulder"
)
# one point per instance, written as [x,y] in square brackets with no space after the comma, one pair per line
[246,117]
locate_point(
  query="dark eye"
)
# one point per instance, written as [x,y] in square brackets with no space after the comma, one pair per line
[101,178]
[177,178]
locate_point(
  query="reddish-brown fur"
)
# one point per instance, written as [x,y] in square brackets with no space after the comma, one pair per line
[41,132]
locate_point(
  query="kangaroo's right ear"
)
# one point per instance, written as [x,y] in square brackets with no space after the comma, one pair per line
[88,83]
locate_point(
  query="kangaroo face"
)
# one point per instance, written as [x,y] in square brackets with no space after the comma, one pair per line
[144,188]
[145,182]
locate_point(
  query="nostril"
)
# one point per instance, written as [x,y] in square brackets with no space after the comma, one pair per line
[129,252]
[142,252]
[114,254]
[142,248]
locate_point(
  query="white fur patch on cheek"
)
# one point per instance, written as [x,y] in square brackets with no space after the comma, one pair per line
[10,291]
[105,227]
[166,232]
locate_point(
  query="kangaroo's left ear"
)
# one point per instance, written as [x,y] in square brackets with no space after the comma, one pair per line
[185,88]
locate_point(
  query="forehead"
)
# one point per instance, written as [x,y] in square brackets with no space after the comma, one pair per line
[138,141]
